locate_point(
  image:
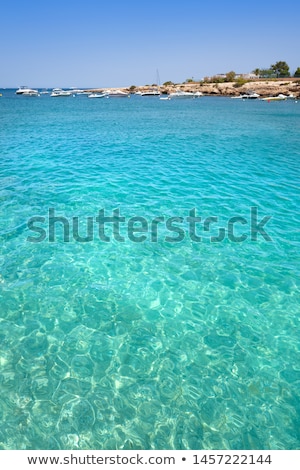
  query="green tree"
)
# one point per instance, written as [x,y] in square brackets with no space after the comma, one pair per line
[266,73]
[240,81]
[256,72]
[230,76]
[281,69]
[216,79]
[297,73]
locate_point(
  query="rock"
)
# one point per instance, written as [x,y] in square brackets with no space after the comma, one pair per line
[264,88]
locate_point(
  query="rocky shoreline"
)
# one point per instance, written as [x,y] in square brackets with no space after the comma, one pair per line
[264,88]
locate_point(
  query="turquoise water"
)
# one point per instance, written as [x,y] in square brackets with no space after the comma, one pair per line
[158,344]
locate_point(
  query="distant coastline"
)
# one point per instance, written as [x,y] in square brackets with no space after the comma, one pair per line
[266,87]
[263,87]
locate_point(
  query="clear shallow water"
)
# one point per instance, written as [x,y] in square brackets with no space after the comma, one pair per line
[152,345]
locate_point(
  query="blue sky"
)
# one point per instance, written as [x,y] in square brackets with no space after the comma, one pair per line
[121,43]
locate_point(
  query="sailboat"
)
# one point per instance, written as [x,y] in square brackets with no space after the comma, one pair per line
[150,92]
[154,91]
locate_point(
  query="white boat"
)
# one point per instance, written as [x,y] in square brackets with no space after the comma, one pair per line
[181,95]
[31,93]
[78,91]
[280,97]
[98,95]
[58,92]
[117,94]
[152,92]
[249,95]
[24,90]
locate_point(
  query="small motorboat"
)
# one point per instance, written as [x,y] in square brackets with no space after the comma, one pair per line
[98,95]
[249,95]
[181,95]
[58,92]
[280,97]
[117,94]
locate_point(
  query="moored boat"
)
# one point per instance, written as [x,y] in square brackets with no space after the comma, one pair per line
[150,92]
[117,94]
[98,95]
[280,97]
[249,95]
[179,94]
[58,92]
[24,90]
